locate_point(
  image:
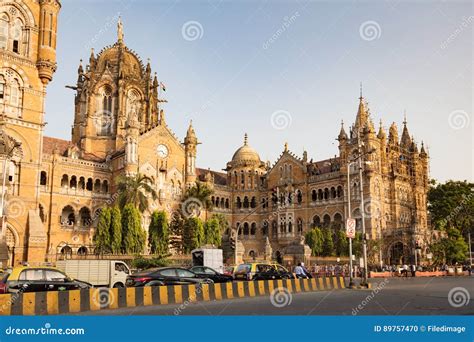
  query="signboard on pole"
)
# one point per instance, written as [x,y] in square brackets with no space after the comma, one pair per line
[350,228]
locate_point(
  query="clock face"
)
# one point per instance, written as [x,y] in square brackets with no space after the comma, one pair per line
[162,151]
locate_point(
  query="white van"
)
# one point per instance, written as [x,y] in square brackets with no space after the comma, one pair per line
[99,273]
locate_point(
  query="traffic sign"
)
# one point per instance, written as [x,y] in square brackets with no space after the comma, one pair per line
[350,228]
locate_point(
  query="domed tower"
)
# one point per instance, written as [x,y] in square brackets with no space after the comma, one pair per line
[112,90]
[190,147]
[46,62]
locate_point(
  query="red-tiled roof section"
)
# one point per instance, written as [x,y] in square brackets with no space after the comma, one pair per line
[50,144]
[220,178]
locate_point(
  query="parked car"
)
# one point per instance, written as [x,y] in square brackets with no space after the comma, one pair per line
[165,276]
[207,272]
[108,273]
[261,271]
[39,279]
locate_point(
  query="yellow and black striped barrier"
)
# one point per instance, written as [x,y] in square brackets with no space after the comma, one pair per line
[62,302]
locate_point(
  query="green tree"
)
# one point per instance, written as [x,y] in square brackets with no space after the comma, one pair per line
[137,190]
[357,245]
[116,231]
[328,244]
[158,233]
[134,237]
[451,249]
[341,243]
[451,204]
[193,234]
[314,239]
[102,239]
[177,231]
[212,232]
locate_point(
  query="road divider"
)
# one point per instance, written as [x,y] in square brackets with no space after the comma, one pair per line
[63,302]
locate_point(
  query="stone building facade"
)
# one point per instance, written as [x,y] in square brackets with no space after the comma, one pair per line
[53,188]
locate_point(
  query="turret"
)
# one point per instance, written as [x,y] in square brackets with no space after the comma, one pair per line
[46,62]
[190,147]
[405,141]
[393,134]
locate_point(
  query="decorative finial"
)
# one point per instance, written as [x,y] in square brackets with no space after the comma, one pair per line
[286,146]
[360,97]
[120,29]
[405,117]
[245,139]
[191,122]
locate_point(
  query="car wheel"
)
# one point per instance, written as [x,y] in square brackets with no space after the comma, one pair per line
[118,285]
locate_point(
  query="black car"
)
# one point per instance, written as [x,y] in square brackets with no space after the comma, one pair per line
[270,272]
[209,273]
[165,276]
[39,279]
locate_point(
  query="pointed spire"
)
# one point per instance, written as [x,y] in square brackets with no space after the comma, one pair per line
[422,150]
[148,67]
[393,134]
[405,141]
[286,147]
[190,134]
[245,139]
[362,113]
[92,59]
[381,134]
[120,30]
[413,147]
[80,70]
[342,132]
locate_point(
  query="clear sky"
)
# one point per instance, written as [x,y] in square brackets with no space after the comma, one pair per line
[288,71]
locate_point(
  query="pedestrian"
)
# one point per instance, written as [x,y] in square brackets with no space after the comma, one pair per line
[299,271]
[413,270]
[307,273]
[405,270]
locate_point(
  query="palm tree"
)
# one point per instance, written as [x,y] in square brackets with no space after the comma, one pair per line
[199,193]
[137,190]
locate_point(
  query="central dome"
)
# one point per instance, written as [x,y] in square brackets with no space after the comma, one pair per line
[246,154]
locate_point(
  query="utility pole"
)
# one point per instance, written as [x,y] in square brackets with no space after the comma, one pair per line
[351,281]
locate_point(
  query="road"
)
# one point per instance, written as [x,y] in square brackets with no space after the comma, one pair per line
[394,296]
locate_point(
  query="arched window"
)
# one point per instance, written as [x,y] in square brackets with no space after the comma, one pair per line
[105,187]
[17,30]
[239,203]
[314,195]
[227,203]
[66,252]
[67,216]
[82,250]
[299,225]
[133,105]
[104,119]
[326,194]
[253,203]
[316,221]
[82,183]
[340,191]
[299,196]
[73,182]
[326,220]
[333,192]
[338,220]
[253,229]
[89,184]
[320,195]
[85,215]
[246,228]
[246,202]
[43,178]
[274,228]
[2,88]
[265,228]
[64,181]
[4,21]
[97,185]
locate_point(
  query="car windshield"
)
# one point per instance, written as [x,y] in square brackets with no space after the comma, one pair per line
[185,273]
[264,268]
[244,268]
[281,268]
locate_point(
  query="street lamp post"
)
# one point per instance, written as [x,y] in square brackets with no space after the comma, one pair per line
[351,281]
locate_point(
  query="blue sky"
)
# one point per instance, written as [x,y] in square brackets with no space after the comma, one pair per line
[251,59]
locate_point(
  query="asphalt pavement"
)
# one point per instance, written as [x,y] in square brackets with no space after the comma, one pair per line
[391,296]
